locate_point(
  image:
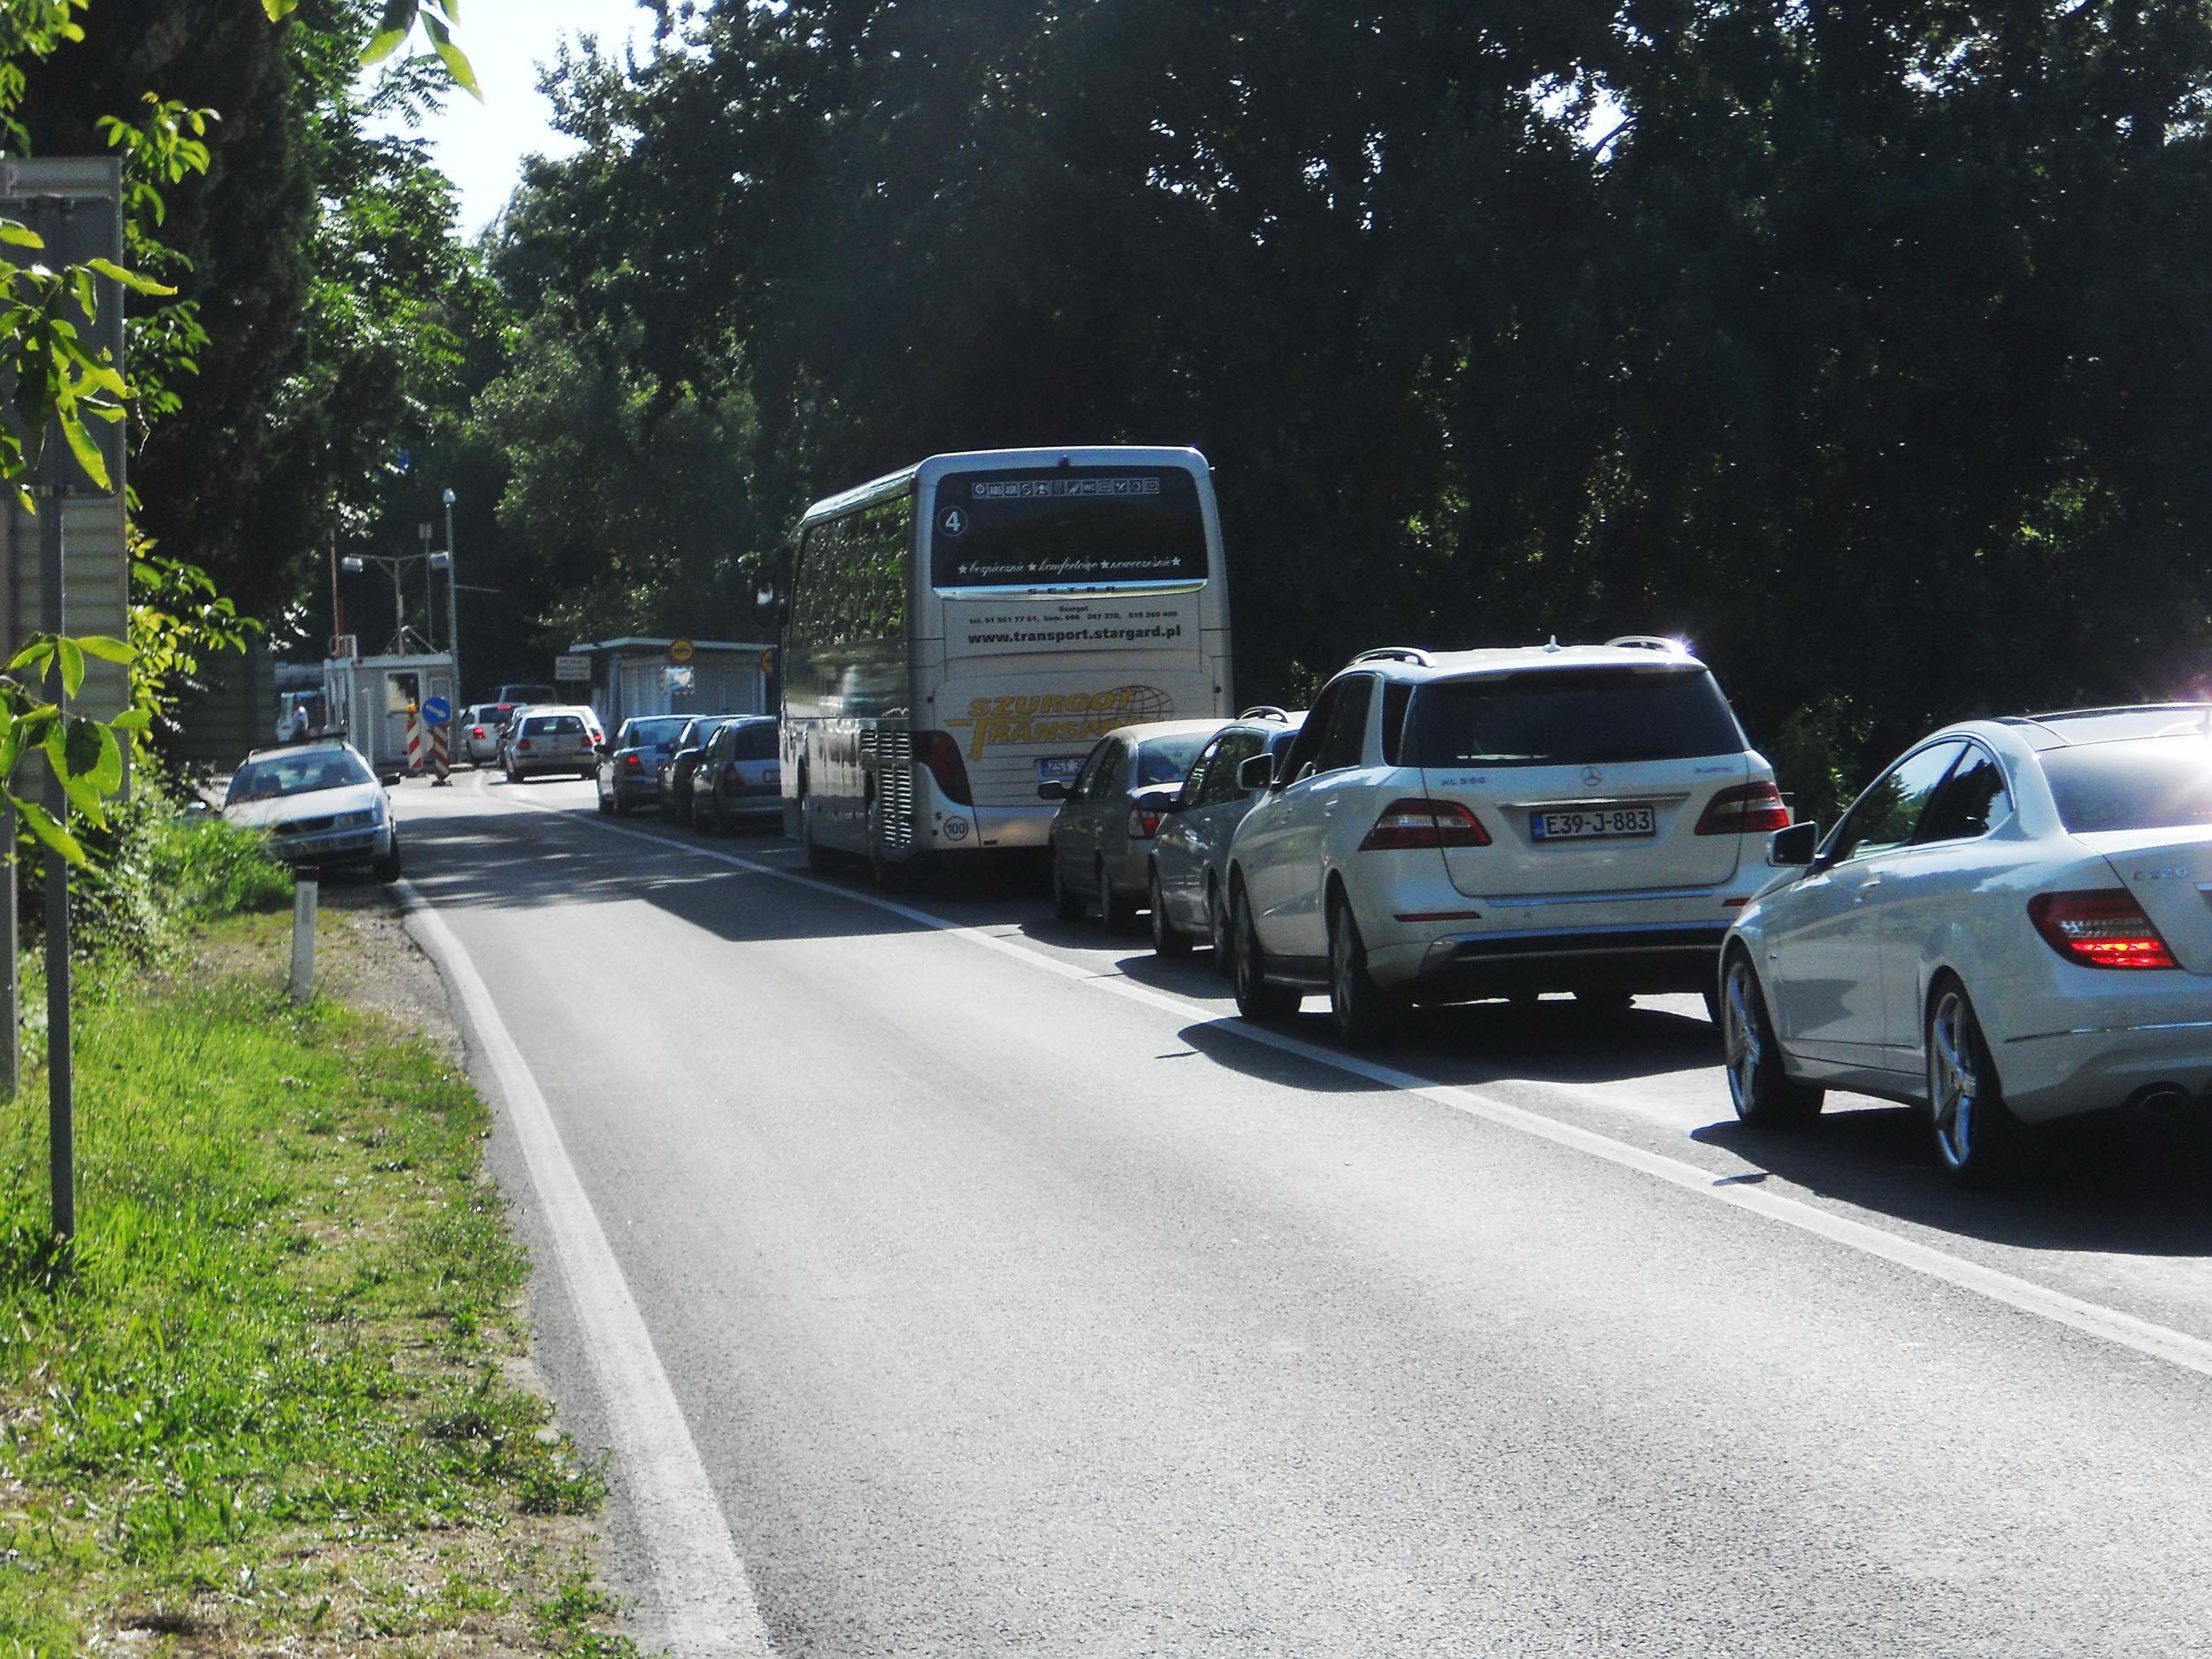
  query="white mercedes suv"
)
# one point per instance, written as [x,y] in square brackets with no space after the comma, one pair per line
[1499,823]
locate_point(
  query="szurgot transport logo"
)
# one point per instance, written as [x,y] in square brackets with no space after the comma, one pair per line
[1077,717]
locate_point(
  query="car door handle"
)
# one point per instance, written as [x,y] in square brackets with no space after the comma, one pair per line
[1865,887]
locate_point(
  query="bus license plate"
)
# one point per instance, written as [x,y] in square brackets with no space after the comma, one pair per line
[1060,766]
[1594,824]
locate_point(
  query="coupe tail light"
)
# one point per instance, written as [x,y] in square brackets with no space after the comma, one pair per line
[730,774]
[940,754]
[1418,823]
[522,744]
[1749,809]
[1144,822]
[2103,927]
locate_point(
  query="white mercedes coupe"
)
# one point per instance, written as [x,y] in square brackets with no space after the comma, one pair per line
[2010,926]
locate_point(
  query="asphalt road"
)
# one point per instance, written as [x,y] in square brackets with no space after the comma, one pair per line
[1015,1300]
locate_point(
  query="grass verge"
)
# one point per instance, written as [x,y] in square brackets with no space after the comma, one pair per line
[269,1409]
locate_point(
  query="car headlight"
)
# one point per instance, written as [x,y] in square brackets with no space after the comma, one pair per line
[362,819]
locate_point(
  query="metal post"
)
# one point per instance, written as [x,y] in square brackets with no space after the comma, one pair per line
[306,899]
[452,603]
[61,1116]
[11,984]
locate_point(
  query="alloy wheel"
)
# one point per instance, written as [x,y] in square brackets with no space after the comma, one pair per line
[1955,1088]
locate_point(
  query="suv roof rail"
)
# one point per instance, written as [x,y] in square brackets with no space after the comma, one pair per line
[1412,654]
[1648,642]
[1266,712]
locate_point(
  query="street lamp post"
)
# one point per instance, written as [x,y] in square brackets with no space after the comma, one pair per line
[396,567]
[452,596]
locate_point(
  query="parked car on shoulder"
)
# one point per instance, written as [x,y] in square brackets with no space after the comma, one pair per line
[739,776]
[1100,837]
[1453,826]
[321,804]
[630,772]
[677,765]
[2007,927]
[553,739]
[1189,863]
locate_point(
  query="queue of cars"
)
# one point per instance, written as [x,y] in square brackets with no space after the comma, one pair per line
[2011,926]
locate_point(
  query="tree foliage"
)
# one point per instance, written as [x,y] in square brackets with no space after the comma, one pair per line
[1864,344]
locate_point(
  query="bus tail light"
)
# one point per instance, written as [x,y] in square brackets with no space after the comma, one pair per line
[1412,822]
[940,754]
[2103,927]
[1749,809]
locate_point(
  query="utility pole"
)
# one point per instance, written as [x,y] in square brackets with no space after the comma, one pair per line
[452,601]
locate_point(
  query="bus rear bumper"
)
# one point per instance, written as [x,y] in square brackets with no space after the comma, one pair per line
[993,827]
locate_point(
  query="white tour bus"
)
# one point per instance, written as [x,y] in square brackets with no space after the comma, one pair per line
[959,633]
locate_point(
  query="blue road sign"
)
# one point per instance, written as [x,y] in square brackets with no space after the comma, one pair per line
[437,712]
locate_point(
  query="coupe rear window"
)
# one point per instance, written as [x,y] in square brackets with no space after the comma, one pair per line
[2158,783]
[1571,717]
[1166,759]
[754,742]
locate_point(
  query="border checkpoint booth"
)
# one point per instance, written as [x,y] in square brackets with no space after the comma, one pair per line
[633,676]
[370,695]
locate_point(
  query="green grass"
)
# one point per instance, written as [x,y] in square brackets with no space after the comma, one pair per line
[266,1410]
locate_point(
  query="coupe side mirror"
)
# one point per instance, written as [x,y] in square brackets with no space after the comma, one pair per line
[1255,772]
[1052,789]
[1793,849]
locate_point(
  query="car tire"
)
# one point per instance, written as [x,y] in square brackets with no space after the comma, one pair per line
[608,804]
[588,776]
[1363,1013]
[1168,940]
[704,821]
[1610,1001]
[1977,1140]
[1118,912]
[387,868]
[1217,928]
[1765,1095]
[1257,999]
[1067,905]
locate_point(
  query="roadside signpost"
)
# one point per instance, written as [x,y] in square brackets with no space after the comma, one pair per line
[437,714]
[680,650]
[573,669]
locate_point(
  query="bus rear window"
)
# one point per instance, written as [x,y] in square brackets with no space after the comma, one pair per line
[1070,526]
[2157,783]
[1571,718]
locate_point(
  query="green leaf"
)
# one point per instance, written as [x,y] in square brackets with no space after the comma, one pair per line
[137,279]
[19,235]
[41,823]
[382,45]
[458,65]
[279,10]
[87,454]
[105,647]
[71,665]
[38,654]
[132,720]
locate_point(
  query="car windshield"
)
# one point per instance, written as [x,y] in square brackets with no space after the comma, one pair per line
[1571,717]
[1166,759]
[656,733]
[2154,783]
[301,772]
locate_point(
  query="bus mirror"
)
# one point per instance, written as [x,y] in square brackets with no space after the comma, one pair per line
[1255,772]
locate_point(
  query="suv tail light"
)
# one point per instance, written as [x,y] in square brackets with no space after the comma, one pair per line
[1144,822]
[1420,822]
[2103,927]
[940,754]
[1748,808]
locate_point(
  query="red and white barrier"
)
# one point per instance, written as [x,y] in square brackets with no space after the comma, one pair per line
[438,740]
[414,743]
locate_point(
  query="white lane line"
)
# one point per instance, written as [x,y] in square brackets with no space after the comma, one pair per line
[702,1603]
[2159,1341]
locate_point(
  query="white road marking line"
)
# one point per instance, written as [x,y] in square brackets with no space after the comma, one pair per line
[2177,1348]
[703,1604]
